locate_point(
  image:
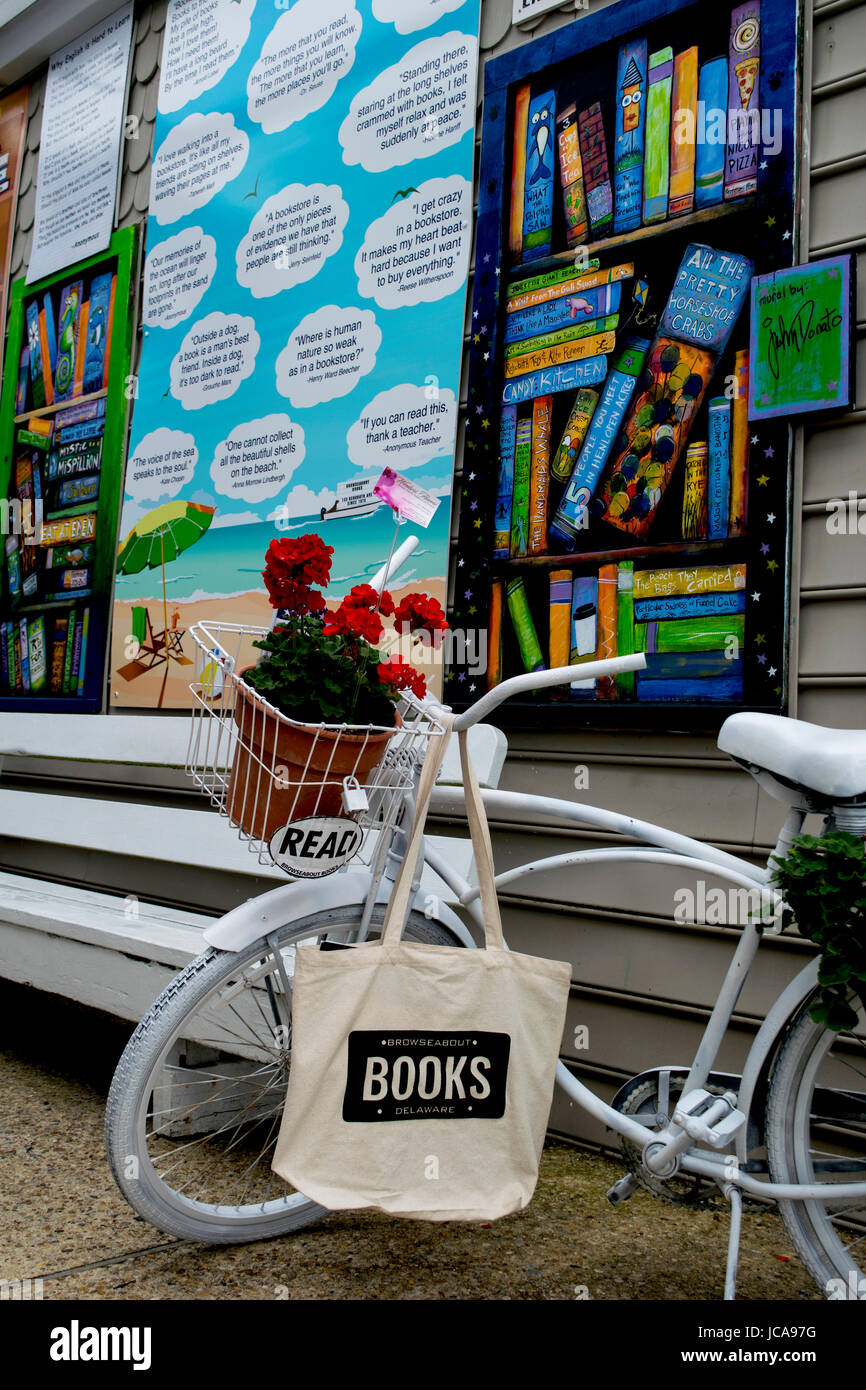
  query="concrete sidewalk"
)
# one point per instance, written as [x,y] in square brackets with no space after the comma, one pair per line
[63,1220]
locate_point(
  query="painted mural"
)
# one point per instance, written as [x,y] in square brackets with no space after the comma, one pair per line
[616,497]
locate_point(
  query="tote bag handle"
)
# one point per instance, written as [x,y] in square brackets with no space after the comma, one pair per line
[398,903]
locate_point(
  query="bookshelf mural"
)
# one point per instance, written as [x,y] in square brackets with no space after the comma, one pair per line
[62,436]
[616,496]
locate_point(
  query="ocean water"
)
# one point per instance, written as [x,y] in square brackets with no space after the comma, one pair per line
[230,559]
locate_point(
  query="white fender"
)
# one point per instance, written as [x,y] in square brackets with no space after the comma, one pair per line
[294,901]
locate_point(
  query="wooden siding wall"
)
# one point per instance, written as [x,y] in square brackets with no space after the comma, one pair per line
[643,983]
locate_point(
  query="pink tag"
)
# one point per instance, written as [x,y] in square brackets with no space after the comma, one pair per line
[411,501]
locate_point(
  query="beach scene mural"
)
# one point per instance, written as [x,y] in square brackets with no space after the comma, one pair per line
[304,293]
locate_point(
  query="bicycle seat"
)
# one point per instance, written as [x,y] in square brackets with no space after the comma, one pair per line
[827,763]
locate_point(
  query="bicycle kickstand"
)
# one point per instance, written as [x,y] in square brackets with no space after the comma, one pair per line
[735,1197]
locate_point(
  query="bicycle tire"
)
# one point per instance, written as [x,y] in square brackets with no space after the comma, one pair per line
[814,1117]
[190,1002]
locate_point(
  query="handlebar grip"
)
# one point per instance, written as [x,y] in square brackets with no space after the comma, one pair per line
[537,680]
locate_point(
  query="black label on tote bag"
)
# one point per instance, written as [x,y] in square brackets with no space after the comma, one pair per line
[418,1075]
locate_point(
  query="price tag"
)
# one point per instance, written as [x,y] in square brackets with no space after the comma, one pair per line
[411,501]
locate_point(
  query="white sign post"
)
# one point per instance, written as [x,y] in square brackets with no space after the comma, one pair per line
[80,146]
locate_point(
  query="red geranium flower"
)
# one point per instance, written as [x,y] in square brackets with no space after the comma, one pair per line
[401,676]
[291,566]
[355,622]
[365,596]
[419,613]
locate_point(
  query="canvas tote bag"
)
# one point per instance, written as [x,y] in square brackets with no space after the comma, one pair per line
[421,1076]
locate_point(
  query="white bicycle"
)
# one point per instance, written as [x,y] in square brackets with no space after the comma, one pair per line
[195,1105]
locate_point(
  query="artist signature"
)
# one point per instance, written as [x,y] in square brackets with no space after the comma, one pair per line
[796,335]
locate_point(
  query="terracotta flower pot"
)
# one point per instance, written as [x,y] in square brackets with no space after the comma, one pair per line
[284,771]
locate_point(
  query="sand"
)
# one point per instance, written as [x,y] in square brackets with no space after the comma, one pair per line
[147,681]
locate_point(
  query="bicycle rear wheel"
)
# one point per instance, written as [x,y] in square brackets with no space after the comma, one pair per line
[816,1133]
[196,1102]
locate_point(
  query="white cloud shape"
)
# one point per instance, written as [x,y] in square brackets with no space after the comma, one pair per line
[290,237]
[407,16]
[202,40]
[401,428]
[196,159]
[301,502]
[303,58]
[237,519]
[177,273]
[257,459]
[434,87]
[418,250]
[327,354]
[216,355]
[163,462]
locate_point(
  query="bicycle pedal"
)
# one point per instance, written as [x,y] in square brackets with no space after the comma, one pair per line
[709,1119]
[622,1190]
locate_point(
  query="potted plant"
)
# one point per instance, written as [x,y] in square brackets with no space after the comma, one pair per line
[331,693]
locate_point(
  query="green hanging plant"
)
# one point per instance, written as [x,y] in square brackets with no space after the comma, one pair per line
[823,880]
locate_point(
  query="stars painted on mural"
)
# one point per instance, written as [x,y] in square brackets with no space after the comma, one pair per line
[769,452]
[765,549]
[762,479]
[771,517]
[756,598]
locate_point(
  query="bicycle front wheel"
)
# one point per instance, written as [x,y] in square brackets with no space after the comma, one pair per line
[195,1105]
[816,1133]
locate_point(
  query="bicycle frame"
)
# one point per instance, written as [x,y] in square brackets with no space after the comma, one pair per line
[670,1145]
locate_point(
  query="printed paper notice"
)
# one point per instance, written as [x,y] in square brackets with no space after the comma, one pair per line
[80,146]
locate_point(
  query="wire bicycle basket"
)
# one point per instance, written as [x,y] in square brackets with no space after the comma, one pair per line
[271,776]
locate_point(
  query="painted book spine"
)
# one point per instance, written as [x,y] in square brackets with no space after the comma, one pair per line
[607,595]
[46,354]
[23,379]
[505,485]
[577,351]
[690,606]
[539,478]
[563,312]
[584,622]
[524,627]
[744,118]
[604,428]
[560,624]
[520,500]
[81,349]
[494,635]
[596,170]
[108,332]
[708,634]
[692,665]
[67,339]
[58,654]
[739,446]
[658,136]
[684,133]
[37,653]
[571,177]
[67,656]
[719,466]
[518,171]
[631,89]
[713,120]
[97,330]
[12,654]
[696,691]
[573,435]
[522,294]
[24,653]
[538,183]
[695,493]
[703,579]
[37,378]
[570,376]
[590,329]
[82,661]
[625,636]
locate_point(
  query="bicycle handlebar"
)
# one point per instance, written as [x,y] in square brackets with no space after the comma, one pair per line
[537,680]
